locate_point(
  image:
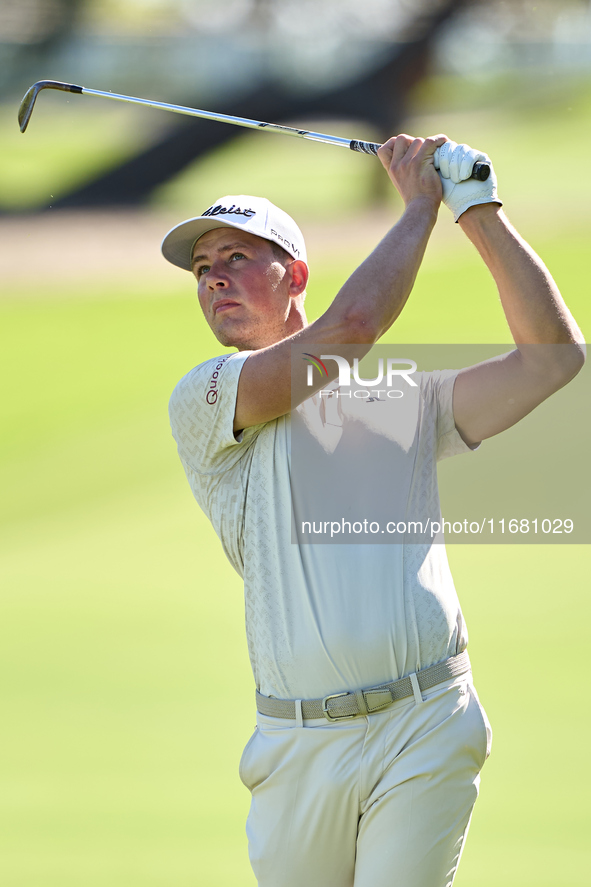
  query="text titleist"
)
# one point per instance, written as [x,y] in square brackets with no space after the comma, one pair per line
[220,210]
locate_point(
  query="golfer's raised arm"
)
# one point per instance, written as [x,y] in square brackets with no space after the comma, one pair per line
[494,395]
[370,300]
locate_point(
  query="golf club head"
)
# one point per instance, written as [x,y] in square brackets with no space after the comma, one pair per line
[28,102]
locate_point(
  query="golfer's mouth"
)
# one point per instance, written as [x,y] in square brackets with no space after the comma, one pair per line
[223,305]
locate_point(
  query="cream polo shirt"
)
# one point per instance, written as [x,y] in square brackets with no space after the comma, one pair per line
[323,618]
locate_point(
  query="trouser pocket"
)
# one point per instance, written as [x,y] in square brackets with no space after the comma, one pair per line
[485,721]
[243,765]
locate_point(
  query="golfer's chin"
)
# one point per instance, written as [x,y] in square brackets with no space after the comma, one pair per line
[245,339]
[235,338]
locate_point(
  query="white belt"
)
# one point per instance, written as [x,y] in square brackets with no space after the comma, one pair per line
[353,703]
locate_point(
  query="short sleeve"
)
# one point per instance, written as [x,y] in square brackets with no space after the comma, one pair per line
[440,388]
[201,410]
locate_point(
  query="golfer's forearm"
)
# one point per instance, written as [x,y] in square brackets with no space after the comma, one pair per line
[534,308]
[375,294]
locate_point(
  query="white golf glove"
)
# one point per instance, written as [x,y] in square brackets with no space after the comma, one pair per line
[455,163]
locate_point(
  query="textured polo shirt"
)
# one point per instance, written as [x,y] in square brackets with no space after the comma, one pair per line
[322,618]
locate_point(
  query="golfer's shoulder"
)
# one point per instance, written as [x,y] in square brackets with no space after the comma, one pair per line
[434,389]
[432,382]
[202,387]
[198,377]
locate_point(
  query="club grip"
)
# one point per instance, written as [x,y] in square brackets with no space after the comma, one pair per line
[364,147]
[480,171]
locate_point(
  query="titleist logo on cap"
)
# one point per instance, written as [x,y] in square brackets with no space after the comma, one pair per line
[219,210]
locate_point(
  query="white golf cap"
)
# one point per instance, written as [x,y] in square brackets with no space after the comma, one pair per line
[257,215]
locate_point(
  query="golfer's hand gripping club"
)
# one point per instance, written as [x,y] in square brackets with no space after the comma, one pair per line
[479,170]
[460,189]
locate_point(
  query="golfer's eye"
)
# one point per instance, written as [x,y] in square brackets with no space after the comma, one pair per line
[202,269]
[237,256]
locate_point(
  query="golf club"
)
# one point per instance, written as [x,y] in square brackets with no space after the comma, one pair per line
[480,171]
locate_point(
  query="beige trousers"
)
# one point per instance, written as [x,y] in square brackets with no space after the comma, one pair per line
[379,801]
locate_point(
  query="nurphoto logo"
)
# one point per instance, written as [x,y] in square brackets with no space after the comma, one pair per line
[312,362]
[397,368]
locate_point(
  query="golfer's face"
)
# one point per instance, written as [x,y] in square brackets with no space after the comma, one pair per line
[242,288]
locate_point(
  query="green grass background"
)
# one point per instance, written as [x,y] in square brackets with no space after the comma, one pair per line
[127,693]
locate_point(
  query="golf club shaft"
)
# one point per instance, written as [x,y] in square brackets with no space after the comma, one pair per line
[229,118]
[480,171]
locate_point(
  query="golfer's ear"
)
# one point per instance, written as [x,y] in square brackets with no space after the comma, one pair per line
[298,271]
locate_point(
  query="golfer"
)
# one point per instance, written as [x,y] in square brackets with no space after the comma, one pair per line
[364,766]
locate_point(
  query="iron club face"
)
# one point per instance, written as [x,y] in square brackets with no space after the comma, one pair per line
[28,102]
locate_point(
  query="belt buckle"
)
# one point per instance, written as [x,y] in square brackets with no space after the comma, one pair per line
[328,715]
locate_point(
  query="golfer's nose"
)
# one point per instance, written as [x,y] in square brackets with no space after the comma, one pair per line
[217,277]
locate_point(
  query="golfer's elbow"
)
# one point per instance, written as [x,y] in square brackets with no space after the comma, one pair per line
[555,364]
[570,354]
[573,359]
[361,328]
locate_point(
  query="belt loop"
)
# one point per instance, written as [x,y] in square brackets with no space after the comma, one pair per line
[299,721]
[361,704]
[415,688]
